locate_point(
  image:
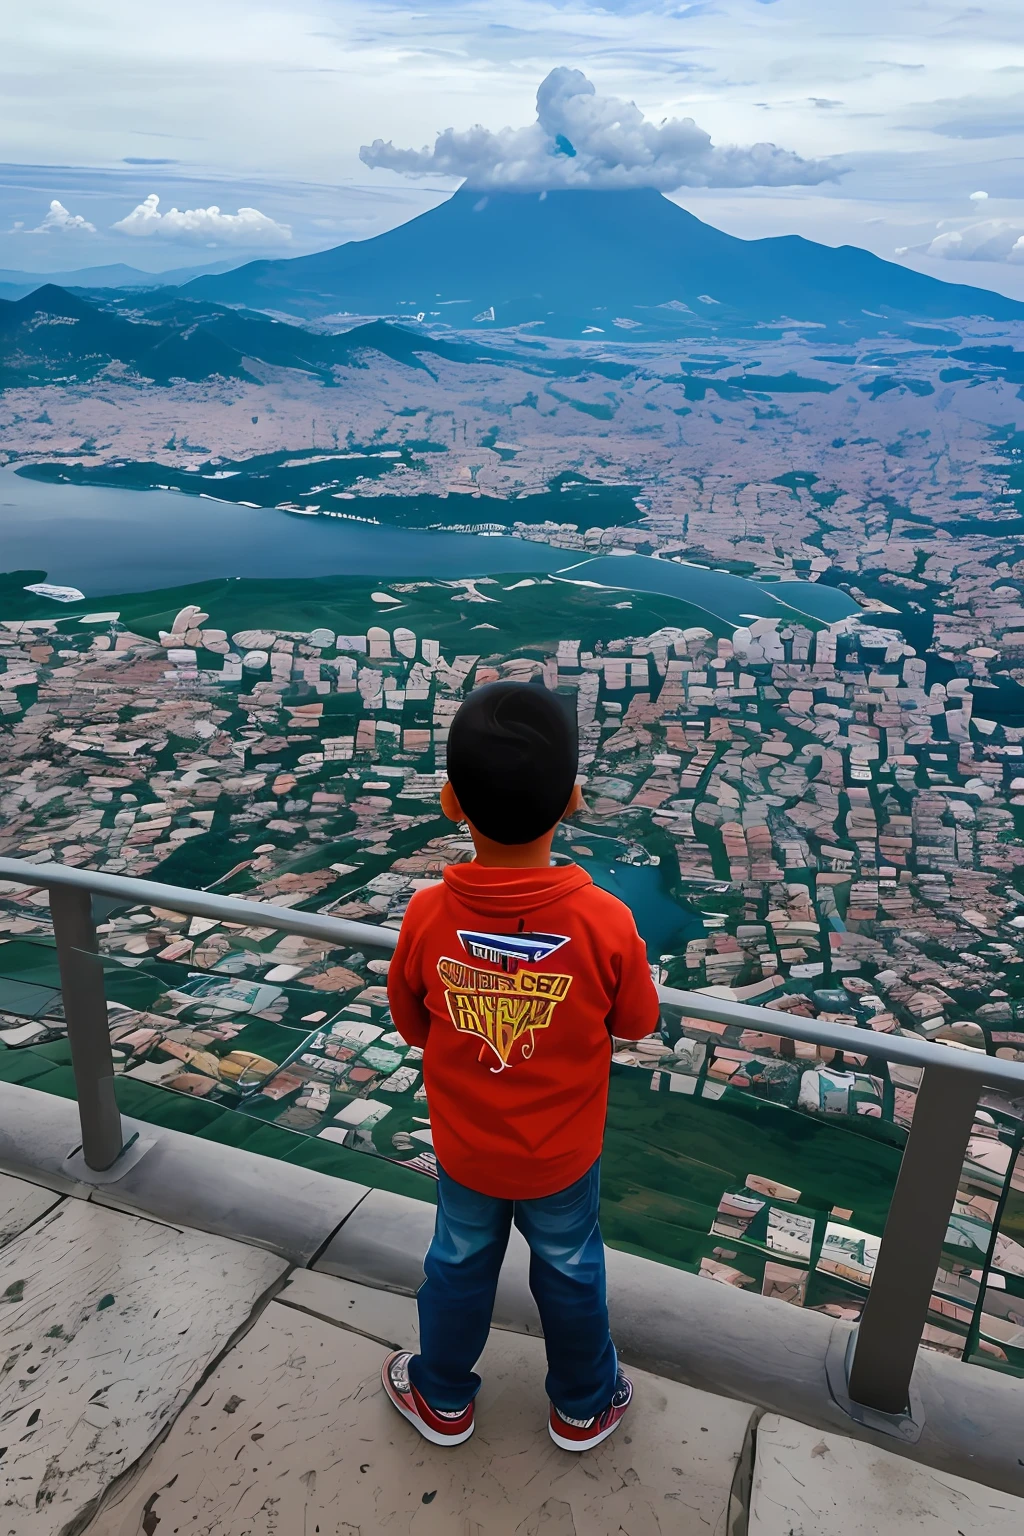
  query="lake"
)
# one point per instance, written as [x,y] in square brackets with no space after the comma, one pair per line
[646,890]
[104,540]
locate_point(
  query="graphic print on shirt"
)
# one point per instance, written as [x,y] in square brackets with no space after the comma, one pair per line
[510,950]
[503,1008]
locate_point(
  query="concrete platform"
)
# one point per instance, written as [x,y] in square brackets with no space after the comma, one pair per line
[154,1377]
[364,1250]
[811,1484]
[293,1433]
[107,1324]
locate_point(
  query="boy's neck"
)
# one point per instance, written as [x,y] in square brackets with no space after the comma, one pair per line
[492,855]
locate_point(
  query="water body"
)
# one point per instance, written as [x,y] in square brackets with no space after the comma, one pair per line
[733,599]
[104,540]
[644,888]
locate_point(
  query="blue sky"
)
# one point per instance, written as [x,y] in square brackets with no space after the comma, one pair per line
[264,105]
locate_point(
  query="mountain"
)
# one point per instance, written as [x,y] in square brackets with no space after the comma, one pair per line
[54,336]
[15,285]
[572,259]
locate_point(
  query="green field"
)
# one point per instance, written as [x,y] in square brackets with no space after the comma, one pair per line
[522,610]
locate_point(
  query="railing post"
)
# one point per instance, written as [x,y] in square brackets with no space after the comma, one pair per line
[894,1317]
[85,1009]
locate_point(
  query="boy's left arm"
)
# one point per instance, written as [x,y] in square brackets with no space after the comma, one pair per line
[636,1011]
[406,993]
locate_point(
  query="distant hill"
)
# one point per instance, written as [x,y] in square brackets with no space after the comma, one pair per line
[53,335]
[577,259]
[15,285]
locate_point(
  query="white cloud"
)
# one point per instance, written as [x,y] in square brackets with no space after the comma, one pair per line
[203,226]
[584,139]
[59,221]
[979,197]
[989,240]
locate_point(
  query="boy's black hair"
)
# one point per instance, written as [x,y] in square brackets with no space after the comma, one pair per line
[512,760]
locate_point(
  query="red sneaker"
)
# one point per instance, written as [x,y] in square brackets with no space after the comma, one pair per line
[434,1424]
[584,1434]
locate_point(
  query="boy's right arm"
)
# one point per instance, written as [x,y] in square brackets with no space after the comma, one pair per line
[406,992]
[636,1010]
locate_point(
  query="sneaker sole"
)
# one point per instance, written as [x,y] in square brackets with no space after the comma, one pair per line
[434,1436]
[582,1445]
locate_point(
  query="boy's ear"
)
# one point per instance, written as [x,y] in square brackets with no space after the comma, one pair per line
[450,803]
[576,802]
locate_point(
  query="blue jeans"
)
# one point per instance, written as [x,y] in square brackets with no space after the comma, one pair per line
[566,1277]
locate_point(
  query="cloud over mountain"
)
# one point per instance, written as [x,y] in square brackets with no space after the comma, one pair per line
[58,220]
[205,226]
[584,139]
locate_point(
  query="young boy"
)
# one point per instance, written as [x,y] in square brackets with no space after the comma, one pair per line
[513,975]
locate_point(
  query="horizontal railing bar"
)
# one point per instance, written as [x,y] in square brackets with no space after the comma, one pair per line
[177,898]
[992,1070]
[841,1037]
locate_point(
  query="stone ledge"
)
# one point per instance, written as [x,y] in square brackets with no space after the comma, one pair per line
[181,1179]
[21,1204]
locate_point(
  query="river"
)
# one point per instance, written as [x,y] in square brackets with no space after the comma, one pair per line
[735,599]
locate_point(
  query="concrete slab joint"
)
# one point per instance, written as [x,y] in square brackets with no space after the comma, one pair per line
[21,1204]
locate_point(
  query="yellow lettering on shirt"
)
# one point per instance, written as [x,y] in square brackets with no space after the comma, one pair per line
[499,1008]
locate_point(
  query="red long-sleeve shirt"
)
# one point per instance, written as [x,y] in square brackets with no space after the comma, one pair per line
[513,981]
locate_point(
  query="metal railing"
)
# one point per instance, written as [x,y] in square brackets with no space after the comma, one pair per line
[893,1321]
[81,978]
